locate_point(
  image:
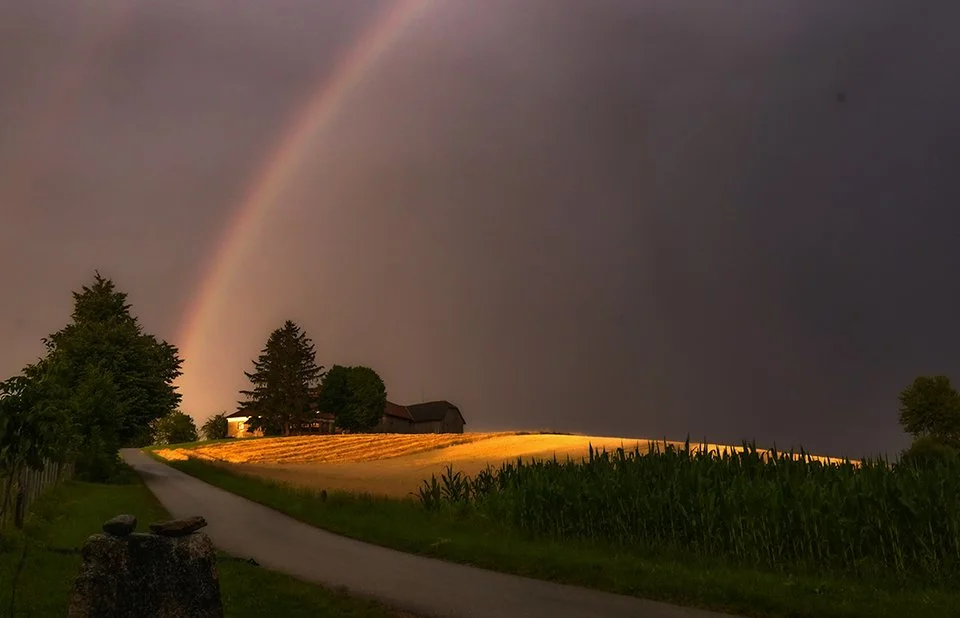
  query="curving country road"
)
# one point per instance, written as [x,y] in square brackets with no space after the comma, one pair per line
[424,586]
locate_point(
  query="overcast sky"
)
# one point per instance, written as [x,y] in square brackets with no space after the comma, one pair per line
[636,218]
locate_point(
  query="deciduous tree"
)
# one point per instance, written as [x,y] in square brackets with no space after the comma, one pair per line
[112,377]
[930,407]
[31,431]
[174,428]
[356,396]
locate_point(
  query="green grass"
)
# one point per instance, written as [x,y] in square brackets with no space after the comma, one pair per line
[469,537]
[61,520]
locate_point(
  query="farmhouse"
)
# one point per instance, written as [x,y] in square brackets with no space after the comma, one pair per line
[237,425]
[429,417]
[324,423]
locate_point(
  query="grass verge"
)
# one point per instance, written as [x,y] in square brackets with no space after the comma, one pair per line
[61,521]
[470,539]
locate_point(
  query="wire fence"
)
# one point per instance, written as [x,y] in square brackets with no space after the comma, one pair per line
[30,485]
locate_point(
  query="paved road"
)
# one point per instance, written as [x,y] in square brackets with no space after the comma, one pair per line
[424,586]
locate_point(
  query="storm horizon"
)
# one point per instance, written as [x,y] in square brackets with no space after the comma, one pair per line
[635,219]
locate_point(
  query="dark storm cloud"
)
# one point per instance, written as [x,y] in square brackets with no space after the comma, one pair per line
[629,218]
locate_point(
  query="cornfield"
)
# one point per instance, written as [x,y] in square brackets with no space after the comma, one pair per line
[766,509]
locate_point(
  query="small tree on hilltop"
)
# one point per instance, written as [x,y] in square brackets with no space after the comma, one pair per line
[174,428]
[283,377]
[215,427]
[930,407]
[356,396]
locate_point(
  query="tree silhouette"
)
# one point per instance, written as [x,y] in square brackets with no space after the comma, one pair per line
[356,396]
[112,378]
[215,427]
[174,428]
[283,376]
[930,407]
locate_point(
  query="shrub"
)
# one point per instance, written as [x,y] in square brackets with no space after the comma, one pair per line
[929,452]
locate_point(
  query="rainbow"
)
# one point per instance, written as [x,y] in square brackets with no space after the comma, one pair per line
[279,168]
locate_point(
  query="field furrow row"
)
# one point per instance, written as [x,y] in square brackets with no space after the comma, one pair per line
[323,448]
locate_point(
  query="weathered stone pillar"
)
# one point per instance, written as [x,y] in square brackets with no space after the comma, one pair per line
[171,573]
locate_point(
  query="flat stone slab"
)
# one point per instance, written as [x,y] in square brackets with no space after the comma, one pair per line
[178,527]
[121,525]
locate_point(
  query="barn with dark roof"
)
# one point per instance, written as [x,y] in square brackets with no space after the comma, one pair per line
[428,417]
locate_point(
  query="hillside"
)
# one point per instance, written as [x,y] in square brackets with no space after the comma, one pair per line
[394,464]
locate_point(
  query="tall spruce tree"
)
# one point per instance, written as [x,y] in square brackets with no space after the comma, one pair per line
[283,379]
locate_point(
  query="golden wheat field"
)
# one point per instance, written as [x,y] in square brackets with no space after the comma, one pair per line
[322,449]
[395,464]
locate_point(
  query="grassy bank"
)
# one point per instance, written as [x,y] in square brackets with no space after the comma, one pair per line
[39,564]
[470,536]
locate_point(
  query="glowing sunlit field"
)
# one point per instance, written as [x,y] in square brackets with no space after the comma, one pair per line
[322,449]
[777,512]
[788,515]
[489,447]
[396,464]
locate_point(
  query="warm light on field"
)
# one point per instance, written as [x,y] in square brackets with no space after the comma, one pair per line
[721,449]
[176,454]
[395,464]
[324,449]
[495,447]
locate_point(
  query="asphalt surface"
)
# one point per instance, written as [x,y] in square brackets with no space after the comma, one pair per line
[424,586]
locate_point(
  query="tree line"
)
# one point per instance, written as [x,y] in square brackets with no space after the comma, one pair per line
[289,390]
[103,383]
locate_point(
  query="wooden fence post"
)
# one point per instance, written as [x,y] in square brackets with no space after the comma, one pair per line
[27,486]
[19,504]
